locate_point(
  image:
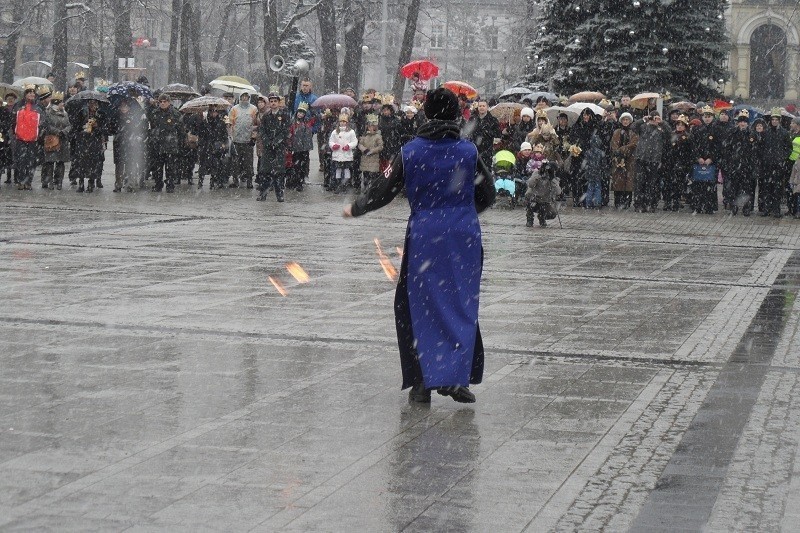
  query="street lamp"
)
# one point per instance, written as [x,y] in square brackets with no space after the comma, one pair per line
[364,50]
[338,70]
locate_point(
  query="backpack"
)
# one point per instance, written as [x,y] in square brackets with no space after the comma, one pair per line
[27,127]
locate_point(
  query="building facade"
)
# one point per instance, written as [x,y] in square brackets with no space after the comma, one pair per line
[480,43]
[765,49]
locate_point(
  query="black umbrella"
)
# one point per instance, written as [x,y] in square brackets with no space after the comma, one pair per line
[179,91]
[80,99]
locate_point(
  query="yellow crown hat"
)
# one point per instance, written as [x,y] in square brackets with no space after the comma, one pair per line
[80,75]
[58,96]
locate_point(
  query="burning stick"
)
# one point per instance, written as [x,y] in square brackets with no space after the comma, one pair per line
[297,272]
[386,263]
[278,285]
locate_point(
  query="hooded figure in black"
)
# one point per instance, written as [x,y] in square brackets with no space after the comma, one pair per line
[740,147]
[775,149]
[436,302]
[581,136]
[678,164]
[90,139]
[213,149]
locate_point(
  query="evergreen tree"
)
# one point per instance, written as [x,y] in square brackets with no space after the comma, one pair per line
[619,46]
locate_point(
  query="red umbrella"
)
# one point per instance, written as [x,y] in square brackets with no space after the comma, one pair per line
[459,87]
[334,102]
[425,68]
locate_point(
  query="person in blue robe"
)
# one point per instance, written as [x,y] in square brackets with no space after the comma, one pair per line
[436,302]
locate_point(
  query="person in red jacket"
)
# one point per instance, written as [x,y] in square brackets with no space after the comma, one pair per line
[28,130]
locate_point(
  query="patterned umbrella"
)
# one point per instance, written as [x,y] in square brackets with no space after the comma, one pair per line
[460,87]
[425,68]
[179,91]
[200,105]
[125,88]
[505,111]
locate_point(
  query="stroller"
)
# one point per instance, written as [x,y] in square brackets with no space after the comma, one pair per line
[506,183]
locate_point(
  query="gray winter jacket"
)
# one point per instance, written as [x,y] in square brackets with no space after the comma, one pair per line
[653,141]
[57,123]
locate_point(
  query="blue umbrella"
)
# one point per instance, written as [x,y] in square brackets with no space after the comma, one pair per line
[123,88]
[755,112]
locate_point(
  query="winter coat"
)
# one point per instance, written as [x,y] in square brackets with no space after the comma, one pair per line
[776,146]
[213,142]
[680,155]
[27,155]
[130,138]
[623,162]
[594,161]
[483,131]
[301,135]
[372,143]
[653,142]
[723,130]
[57,123]
[342,138]
[301,97]
[706,143]
[90,140]
[5,132]
[407,129]
[740,148]
[794,179]
[390,132]
[564,136]
[274,134]
[542,190]
[521,132]
[167,132]
[244,120]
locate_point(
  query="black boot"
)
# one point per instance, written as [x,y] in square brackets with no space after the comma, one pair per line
[419,394]
[98,183]
[458,393]
[90,185]
[80,185]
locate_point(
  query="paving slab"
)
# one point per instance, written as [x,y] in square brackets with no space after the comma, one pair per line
[641,372]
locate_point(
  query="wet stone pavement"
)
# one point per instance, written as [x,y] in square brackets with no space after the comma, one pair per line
[642,371]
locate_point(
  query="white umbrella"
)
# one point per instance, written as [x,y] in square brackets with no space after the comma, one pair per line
[201,104]
[33,80]
[580,106]
[235,87]
[515,92]
[553,112]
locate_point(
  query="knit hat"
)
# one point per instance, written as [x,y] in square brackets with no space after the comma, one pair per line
[526,112]
[776,112]
[441,104]
[164,97]
[626,115]
[409,109]
[525,146]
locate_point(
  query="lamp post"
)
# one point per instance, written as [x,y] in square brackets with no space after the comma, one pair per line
[364,51]
[338,70]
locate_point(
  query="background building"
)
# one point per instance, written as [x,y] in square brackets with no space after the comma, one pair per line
[765,38]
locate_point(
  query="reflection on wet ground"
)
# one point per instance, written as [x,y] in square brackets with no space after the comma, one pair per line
[641,372]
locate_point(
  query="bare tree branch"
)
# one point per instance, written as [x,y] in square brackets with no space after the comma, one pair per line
[294,18]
